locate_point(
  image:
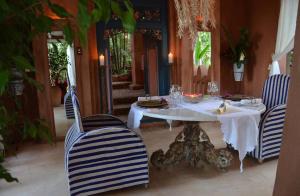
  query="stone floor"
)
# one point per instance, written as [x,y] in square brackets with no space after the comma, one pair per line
[40,169]
[62,124]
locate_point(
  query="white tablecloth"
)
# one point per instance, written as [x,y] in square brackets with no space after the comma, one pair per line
[239,125]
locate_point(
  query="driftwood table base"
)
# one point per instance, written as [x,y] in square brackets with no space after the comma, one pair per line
[194,146]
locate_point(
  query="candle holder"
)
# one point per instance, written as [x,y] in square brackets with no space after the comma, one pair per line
[192,98]
[101,60]
[170,58]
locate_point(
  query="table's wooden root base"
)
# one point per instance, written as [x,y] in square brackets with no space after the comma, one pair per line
[193,145]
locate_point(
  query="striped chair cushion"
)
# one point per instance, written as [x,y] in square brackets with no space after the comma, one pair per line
[107,159]
[68,106]
[101,121]
[76,107]
[275,90]
[270,133]
[72,136]
[275,94]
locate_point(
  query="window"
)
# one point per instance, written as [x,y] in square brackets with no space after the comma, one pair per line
[202,49]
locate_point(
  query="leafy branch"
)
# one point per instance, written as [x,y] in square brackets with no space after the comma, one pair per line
[237,52]
[20,23]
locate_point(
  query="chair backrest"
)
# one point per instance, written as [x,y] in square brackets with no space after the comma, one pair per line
[76,108]
[275,91]
[69,110]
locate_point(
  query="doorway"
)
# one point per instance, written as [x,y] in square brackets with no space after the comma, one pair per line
[60,58]
[150,69]
[133,63]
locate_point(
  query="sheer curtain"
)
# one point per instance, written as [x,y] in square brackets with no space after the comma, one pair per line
[71,65]
[285,33]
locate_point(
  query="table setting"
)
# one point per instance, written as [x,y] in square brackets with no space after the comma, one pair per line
[239,121]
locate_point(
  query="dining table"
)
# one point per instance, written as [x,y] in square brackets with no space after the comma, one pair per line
[239,125]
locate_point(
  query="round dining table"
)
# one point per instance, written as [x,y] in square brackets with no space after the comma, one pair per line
[239,125]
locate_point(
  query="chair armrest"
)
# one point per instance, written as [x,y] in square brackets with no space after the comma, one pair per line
[100,121]
[273,116]
[72,136]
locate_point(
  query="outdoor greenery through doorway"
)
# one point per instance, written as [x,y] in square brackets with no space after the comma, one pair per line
[202,49]
[58,62]
[120,52]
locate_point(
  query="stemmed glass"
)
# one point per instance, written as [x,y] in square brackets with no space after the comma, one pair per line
[175,94]
[212,88]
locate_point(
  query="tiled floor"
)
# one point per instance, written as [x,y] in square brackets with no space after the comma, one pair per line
[40,169]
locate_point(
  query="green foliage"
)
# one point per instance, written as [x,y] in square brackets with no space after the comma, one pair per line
[4,173]
[37,130]
[120,47]
[102,11]
[20,23]
[4,79]
[58,62]
[237,52]
[58,10]
[202,49]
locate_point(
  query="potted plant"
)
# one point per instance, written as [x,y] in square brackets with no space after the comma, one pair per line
[237,52]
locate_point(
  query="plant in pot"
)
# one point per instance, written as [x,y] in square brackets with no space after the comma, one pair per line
[202,52]
[237,52]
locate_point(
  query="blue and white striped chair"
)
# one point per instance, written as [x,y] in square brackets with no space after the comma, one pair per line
[275,93]
[103,155]
[68,105]
[68,100]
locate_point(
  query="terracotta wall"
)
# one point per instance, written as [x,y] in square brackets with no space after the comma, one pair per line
[288,170]
[40,55]
[186,63]
[174,44]
[182,70]
[216,46]
[261,18]
[232,17]
[137,67]
[152,70]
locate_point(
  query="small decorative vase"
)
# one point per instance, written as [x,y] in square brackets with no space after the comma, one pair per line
[238,72]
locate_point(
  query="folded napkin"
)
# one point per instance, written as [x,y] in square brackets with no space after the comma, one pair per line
[251,101]
[149,98]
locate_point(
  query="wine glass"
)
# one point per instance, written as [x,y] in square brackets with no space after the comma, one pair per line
[212,88]
[175,94]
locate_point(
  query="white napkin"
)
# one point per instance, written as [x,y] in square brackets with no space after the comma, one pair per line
[251,101]
[149,98]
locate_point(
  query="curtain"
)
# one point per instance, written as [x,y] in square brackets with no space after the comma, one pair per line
[285,33]
[71,65]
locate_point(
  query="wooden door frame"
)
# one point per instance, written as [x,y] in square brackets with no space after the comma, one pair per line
[163,67]
[40,55]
